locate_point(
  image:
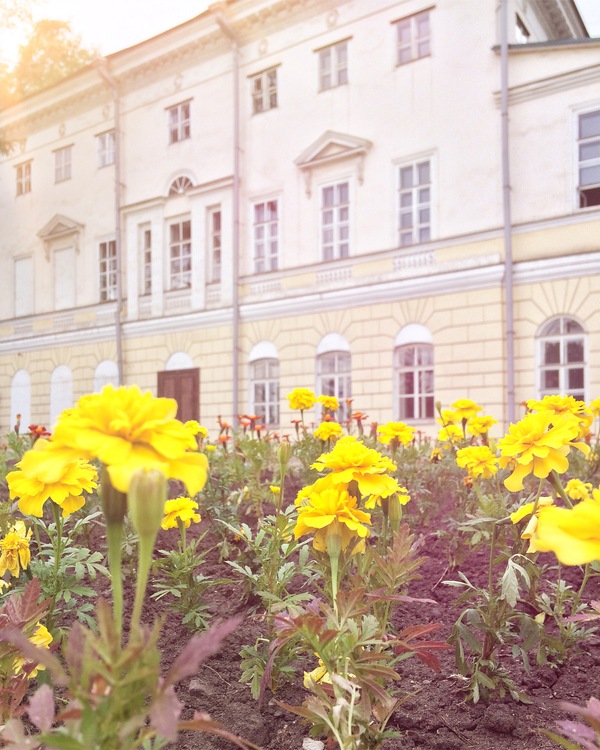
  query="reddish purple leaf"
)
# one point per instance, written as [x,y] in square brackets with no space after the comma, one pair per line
[41,708]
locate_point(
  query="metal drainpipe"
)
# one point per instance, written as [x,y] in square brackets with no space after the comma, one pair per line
[226,28]
[107,77]
[506,189]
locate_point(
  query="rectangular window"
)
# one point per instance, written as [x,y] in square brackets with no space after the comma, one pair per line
[414,363]
[413,37]
[179,122]
[335,221]
[266,236]
[214,244]
[62,164]
[180,255]
[333,66]
[23,286]
[264,91]
[334,378]
[588,149]
[147,261]
[264,378]
[414,203]
[105,148]
[23,178]
[108,270]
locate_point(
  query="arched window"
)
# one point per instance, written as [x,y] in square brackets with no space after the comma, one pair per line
[562,358]
[181,380]
[180,185]
[413,373]
[107,373]
[263,382]
[61,392]
[334,371]
[20,399]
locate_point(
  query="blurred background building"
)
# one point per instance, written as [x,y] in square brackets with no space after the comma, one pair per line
[396,202]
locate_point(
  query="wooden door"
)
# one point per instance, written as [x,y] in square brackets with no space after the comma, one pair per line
[184,387]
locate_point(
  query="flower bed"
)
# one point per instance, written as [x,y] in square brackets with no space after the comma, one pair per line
[368,590]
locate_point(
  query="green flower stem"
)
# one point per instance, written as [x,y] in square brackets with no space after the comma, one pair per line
[145,548]
[557,484]
[182,531]
[57,549]
[334,560]
[586,576]
[114,533]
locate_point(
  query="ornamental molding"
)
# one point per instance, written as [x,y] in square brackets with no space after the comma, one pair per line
[552,85]
[60,227]
[332,147]
[271,18]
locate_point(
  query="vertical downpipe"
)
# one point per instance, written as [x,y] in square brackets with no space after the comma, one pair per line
[506,190]
[108,78]
[225,26]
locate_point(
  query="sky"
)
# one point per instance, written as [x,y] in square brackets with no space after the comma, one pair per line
[112,25]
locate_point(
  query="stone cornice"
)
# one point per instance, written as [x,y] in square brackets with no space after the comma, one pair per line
[552,85]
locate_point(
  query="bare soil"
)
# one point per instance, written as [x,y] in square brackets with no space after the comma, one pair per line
[433,713]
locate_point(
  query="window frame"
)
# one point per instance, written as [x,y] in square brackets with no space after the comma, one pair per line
[337,70]
[105,149]
[215,243]
[107,270]
[63,164]
[146,258]
[185,246]
[23,177]
[265,96]
[267,259]
[423,400]
[563,366]
[417,226]
[415,40]
[337,243]
[339,377]
[179,121]
[270,405]
[593,162]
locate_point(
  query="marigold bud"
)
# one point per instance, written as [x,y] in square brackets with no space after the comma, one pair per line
[114,503]
[284,452]
[147,497]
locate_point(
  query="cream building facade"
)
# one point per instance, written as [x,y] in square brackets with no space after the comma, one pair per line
[309,193]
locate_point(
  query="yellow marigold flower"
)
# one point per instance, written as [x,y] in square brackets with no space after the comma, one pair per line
[478,460]
[129,430]
[402,495]
[561,404]
[450,434]
[436,455]
[328,430]
[319,674]
[596,494]
[539,443]
[302,496]
[402,433]
[275,489]
[211,448]
[527,509]
[465,408]
[480,425]
[196,428]
[302,398]
[183,508]
[578,490]
[38,481]
[594,407]
[329,402]
[328,512]
[448,416]
[15,550]
[572,534]
[349,461]
[42,638]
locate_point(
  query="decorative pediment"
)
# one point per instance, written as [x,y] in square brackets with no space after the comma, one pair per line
[332,147]
[58,228]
